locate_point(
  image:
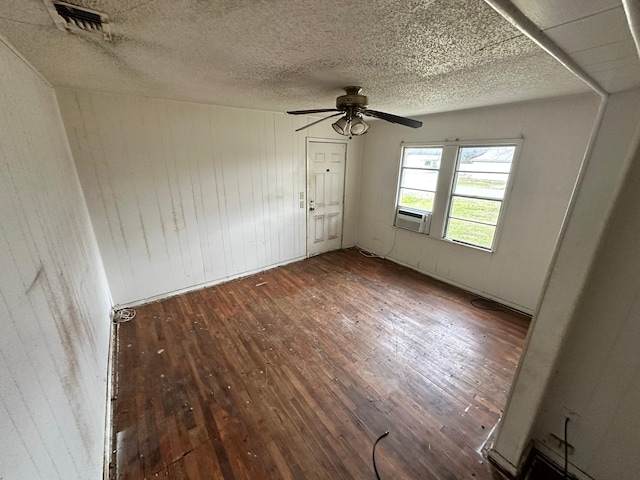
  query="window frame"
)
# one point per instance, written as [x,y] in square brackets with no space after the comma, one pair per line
[444,195]
[402,169]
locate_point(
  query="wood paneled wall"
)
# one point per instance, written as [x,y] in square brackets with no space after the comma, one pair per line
[184,194]
[54,299]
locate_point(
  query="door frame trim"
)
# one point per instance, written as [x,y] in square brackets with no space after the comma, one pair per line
[306,185]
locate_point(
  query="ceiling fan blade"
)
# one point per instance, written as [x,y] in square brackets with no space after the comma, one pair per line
[307,112]
[409,122]
[318,121]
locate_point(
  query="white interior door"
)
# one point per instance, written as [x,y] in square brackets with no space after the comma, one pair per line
[325,193]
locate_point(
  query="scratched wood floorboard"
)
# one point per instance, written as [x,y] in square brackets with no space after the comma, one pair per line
[294,372]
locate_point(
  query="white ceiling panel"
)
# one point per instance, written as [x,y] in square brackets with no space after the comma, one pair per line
[600,43]
[619,77]
[594,31]
[615,65]
[625,49]
[551,13]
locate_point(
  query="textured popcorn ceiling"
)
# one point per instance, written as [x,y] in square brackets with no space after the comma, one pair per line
[411,57]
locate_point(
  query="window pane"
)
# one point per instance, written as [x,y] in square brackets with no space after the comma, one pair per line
[422,157]
[416,199]
[490,185]
[469,232]
[486,159]
[485,211]
[419,179]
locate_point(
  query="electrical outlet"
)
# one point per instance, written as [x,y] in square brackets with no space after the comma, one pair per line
[571,415]
[301,203]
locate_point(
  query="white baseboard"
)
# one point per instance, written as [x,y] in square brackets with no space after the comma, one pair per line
[108,420]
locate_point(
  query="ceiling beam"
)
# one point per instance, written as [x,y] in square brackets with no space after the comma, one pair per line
[632,11]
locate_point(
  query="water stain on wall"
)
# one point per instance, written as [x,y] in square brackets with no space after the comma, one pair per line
[77,341]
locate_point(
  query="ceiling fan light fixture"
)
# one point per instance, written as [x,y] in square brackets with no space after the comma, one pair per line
[358,126]
[342,126]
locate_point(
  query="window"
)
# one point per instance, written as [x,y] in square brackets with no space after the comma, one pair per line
[419,177]
[479,185]
[463,186]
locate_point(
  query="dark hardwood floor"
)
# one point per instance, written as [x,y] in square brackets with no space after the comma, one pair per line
[294,372]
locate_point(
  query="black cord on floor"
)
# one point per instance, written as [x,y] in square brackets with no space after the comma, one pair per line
[566,449]
[375,469]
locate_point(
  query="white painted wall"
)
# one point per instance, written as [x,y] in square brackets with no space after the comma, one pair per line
[555,137]
[598,372]
[54,300]
[588,312]
[184,194]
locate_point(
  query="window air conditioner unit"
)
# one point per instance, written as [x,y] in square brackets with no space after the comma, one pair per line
[413,220]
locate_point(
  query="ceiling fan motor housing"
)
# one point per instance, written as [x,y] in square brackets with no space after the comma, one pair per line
[352,99]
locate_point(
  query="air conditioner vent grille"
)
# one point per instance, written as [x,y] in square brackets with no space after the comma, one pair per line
[77,19]
[75,15]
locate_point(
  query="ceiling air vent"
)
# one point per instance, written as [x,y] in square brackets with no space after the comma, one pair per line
[79,19]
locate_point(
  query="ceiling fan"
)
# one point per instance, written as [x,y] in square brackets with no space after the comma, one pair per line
[353,106]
